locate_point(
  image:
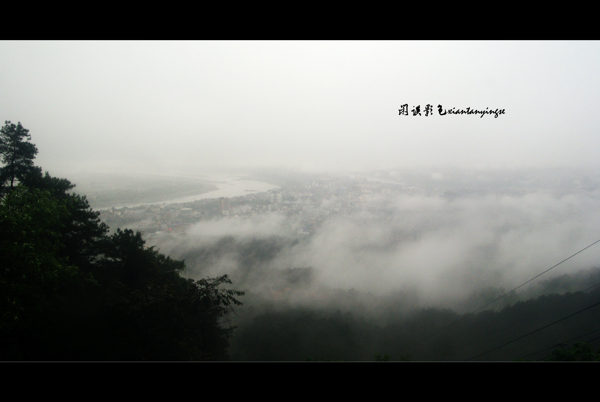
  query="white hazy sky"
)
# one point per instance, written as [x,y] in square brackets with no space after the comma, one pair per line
[310,105]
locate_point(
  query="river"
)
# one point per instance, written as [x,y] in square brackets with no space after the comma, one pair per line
[226,187]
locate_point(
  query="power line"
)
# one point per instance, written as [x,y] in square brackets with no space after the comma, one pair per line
[564,342]
[588,342]
[534,331]
[537,276]
[510,291]
[563,299]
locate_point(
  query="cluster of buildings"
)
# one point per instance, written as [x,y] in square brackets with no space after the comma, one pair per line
[306,204]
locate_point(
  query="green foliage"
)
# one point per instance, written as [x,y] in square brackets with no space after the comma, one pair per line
[169,320]
[297,333]
[16,153]
[59,187]
[68,291]
[582,352]
[82,232]
[30,244]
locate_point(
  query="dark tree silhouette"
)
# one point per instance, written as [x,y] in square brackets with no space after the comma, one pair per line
[70,292]
[17,154]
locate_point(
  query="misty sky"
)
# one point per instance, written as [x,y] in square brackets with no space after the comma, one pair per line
[309,105]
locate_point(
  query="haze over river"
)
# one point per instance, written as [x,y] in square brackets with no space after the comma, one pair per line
[227,186]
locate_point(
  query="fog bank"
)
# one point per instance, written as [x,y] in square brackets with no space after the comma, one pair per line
[440,249]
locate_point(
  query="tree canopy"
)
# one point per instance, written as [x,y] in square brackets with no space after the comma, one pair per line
[16,152]
[69,291]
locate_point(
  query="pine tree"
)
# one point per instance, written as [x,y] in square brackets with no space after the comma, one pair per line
[17,155]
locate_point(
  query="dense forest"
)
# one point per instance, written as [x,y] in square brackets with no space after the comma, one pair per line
[429,334]
[68,291]
[288,317]
[71,291]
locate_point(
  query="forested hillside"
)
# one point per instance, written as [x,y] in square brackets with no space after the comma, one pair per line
[71,291]
[289,315]
[529,330]
[68,291]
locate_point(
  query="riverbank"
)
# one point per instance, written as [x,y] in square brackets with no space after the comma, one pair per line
[118,191]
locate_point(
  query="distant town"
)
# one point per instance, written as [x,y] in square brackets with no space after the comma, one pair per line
[307,201]
[306,205]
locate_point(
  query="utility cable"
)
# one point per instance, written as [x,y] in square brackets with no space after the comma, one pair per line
[510,291]
[553,347]
[563,299]
[537,330]
[588,342]
[535,277]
